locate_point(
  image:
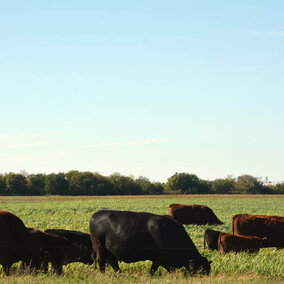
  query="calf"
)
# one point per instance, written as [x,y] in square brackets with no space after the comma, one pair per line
[58,250]
[211,238]
[237,243]
[78,238]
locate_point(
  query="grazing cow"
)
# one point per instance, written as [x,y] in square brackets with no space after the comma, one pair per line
[78,238]
[211,239]
[135,236]
[268,226]
[16,243]
[237,243]
[193,214]
[58,250]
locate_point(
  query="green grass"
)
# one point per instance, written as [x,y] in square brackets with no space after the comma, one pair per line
[74,213]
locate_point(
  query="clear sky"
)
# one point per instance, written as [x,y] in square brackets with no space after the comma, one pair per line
[144,88]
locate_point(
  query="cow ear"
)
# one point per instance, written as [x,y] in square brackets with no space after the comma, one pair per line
[210,261]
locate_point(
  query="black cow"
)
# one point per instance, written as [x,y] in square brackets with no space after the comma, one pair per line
[134,236]
[58,250]
[211,239]
[78,238]
[16,243]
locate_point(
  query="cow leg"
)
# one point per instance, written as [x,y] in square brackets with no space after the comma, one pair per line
[105,256]
[102,258]
[94,257]
[102,265]
[57,268]
[111,260]
[171,269]
[44,267]
[99,251]
[7,269]
[154,267]
[22,267]
[114,264]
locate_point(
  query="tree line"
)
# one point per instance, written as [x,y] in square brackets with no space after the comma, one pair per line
[88,183]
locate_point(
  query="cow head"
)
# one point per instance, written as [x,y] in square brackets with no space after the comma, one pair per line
[86,255]
[200,265]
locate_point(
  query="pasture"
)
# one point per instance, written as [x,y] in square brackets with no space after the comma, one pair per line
[74,213]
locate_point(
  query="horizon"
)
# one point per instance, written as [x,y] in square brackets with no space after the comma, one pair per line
[143,89]
[264,180]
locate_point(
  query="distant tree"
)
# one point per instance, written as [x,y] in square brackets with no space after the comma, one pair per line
[222,186]
[277,189]
[148,187]
[124,185]
[159,188]
[204,187]
[2,184]
[248,184]
[83,183]
[16,184]
[183,183]
[36,184]
[56,184]
[104,185]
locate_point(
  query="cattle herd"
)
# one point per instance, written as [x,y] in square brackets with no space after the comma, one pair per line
[135,236]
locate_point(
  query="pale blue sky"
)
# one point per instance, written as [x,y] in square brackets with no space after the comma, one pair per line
[142,87]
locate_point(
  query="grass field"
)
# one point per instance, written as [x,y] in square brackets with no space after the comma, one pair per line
[74,213]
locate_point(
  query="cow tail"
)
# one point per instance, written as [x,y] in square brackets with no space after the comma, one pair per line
[220,248]
[233,221]
[204,244]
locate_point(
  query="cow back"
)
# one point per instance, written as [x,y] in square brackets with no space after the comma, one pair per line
[231,242]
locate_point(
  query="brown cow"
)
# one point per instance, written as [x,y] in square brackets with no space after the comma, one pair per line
[193,214]
[269,226]
[237,243]
[15,242]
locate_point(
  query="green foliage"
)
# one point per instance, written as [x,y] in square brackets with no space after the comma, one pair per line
[16,184]
[88,183]
[2,184]
[56,184]
[82,183]
[222,186]
[147,187]
[124,185]
[248,184]
[36,184]
[186,183]
[277,189]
